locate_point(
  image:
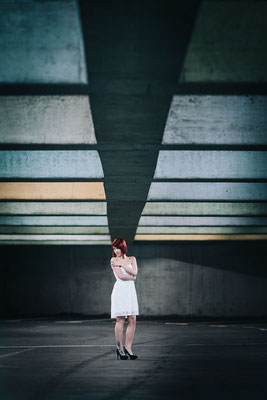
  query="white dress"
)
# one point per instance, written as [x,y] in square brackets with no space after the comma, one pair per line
[123,297]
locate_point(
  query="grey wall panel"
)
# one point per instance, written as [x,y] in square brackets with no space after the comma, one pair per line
[196,164]
[217,120]
[28,229]
[69,164]
[180,279]
[41,41]
[207,191]
[46,120]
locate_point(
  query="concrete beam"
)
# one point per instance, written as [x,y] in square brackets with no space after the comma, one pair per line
[52,191]
[227,43]
[235,120]
[71,164]
[203,208]
[55,242]
[41,42]
[207,191]
[56,208]
[197,164]
[46,120]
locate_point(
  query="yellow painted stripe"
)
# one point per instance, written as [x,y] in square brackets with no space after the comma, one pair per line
[52,190]
[200,237]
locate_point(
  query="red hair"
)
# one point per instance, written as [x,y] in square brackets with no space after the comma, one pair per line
[120,244]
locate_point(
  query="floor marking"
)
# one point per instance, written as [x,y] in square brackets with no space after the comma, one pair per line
[17,352]
[29,347]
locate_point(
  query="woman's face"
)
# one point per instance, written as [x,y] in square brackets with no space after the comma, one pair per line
[118,252]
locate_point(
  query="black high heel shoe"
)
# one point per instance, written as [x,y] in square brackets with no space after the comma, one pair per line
[122,356]
[132,356]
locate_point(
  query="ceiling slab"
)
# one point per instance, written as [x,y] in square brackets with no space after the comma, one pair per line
[41,41]
[63,120]
[203,208]
[54,220]
[201,221]
[66,230]
[217,120]
[53,164]
[199,237]
[208,191]
[227,43]
[201,230]
[221,164]
[53,208]
[52,191]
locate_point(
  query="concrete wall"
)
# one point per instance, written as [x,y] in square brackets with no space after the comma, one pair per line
[183,279]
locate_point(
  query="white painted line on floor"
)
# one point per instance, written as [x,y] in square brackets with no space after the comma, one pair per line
[17,352]
[146,345]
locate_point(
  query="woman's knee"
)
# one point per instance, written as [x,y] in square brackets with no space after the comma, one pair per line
[132,318]
[120,320]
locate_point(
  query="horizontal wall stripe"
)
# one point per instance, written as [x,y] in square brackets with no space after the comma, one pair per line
[200,221]
[200,229]
[46,120]
[58,208]
[54,164]
[52,191]
[197,164]
[54,220]
[203,208]
[200,237]
[207,191]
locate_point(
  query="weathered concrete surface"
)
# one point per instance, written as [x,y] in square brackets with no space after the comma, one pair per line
[46,120]
[54,229]
[204,208]
[75,359]
[41,42]
[216,164]
[181,278]
[217,120]
[228,43]
[54,164]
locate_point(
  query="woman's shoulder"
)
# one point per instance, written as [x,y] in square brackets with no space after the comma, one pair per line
[132,257]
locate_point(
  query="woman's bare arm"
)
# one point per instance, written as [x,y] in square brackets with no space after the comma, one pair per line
[134,270]
[122,276]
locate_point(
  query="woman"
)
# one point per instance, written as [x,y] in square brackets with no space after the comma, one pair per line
[124,302]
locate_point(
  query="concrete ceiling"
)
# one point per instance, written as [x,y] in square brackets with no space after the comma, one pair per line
[143,120]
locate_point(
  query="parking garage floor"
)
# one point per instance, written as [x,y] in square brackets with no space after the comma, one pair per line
[76,359]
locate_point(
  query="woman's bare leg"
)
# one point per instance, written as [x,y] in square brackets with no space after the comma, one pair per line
[119,333]
[130,332]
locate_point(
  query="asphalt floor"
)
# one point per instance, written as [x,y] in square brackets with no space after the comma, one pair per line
[56,359]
